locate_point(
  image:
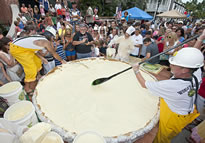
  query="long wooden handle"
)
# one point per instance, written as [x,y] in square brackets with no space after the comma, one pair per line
[174,47]
[190,39]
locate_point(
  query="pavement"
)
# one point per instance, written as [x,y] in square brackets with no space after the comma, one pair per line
[181,138]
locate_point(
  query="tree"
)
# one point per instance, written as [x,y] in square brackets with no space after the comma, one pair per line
[195,8]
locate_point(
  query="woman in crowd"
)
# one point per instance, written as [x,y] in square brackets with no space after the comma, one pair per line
[180,34]
[95,34]
[114,34]
[13,69]
[68,47]
[170,41]
[102,34]
[30,10]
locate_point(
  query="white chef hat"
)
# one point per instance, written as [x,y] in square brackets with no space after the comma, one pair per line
[130,30]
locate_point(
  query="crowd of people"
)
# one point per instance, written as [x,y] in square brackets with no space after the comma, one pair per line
[49,35]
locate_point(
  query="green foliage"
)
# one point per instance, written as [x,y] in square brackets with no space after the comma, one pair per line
[196,9]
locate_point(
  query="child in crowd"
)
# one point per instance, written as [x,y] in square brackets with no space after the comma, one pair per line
[103,48]
[59,49]
[96,50]
[42,10]
[67,15]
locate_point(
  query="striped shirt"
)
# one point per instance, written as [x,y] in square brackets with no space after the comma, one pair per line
[61,53]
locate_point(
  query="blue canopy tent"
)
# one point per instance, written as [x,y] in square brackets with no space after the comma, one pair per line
[136,13]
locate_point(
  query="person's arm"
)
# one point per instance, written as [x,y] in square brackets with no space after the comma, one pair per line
[113,41]
[138,75]
[75,40]
[49,46]
[148,55]
[10,62]
[78,42]
[42,58]
[4,72]
[65,45]
[200,41]
[1,83]
[90,39]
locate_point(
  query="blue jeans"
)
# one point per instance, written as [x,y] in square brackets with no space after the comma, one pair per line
[84,55]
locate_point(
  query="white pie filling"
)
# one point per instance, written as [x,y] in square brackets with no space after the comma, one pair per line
[116,107]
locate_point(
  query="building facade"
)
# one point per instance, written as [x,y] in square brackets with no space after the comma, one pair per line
[164,5]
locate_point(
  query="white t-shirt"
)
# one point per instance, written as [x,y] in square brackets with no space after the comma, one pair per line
[175,93]
[57,6]
[97,51]
[23,19]
[137,40]
[27,42]
[58,25]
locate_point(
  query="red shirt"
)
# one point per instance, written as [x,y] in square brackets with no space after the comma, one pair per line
[160,45]
[202,88]
[24,10]
[17,29]
[63,11]
[59,12]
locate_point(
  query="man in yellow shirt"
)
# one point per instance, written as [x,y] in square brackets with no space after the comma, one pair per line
[25,49]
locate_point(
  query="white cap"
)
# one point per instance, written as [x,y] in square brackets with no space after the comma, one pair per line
[180,22]
[89,137]
[51,30]
[95,28]
[188,57]
[130,30]
[18,33]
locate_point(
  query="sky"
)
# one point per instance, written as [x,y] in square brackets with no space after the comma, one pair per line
[190,0]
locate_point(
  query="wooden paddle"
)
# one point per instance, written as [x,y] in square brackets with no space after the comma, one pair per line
[104,79]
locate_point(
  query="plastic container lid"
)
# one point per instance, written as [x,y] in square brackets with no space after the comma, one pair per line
[10,87]
[89,137]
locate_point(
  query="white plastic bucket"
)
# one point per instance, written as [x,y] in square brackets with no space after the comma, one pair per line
[52,137]
[22,113]
[89,137]
[13,92]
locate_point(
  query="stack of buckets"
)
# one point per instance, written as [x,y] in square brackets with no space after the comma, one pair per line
[15,95]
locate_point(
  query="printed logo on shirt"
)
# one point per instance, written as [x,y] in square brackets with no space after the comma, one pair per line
[83,37]
[184,90]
